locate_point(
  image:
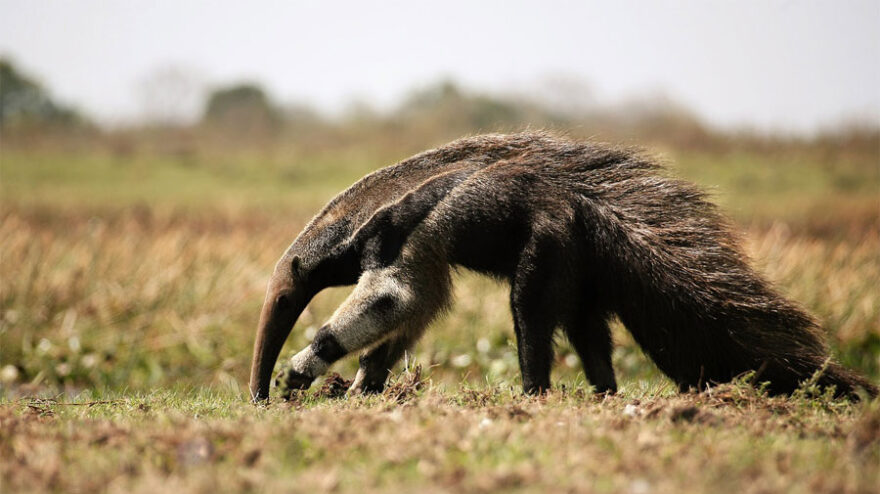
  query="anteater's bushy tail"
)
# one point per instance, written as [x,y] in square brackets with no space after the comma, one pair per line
[846,382]
[673,271]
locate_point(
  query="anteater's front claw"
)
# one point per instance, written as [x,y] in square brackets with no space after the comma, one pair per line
[289,381]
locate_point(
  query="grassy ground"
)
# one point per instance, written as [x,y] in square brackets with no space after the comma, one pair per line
[131,282]
[456,440]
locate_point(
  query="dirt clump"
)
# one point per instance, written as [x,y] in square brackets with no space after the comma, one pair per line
[335,386]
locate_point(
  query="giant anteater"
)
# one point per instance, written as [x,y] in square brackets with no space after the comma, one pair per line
[582,232]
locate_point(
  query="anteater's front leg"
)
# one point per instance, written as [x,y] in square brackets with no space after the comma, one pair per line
[385,302]
[376,363]
[369,315]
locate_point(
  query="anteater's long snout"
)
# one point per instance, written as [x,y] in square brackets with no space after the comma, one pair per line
[280,312]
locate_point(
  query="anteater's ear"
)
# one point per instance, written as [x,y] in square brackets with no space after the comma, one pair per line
[295,265]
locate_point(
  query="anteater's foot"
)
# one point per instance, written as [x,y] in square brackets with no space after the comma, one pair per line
[363,385]
[536,389]
[605,389]
[289,381]
[687,388]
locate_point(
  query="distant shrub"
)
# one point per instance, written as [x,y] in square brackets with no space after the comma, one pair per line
[242,108]
[24,102]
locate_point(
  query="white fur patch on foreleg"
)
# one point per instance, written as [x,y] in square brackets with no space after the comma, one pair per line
[308,363]
[357,324]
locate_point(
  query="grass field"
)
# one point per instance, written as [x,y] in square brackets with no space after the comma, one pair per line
[131,282]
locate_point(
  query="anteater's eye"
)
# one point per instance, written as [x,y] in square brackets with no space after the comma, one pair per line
[282,302]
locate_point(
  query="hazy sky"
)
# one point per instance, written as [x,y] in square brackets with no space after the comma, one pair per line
[784,65]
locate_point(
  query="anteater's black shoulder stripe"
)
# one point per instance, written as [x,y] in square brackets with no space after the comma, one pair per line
[383,235]
[327,347]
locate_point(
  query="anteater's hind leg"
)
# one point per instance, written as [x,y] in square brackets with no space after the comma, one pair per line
[376,363]
[385,303]
[534,298]
[590,336]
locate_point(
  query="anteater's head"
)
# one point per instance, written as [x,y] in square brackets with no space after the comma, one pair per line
[318,258]
[287,295]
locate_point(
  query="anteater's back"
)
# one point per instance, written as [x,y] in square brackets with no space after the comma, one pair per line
[349,210]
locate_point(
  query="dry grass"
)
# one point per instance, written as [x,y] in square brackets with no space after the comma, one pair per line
[728,440]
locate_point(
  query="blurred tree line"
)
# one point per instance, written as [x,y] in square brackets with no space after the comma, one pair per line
[244,115]
[25,103]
